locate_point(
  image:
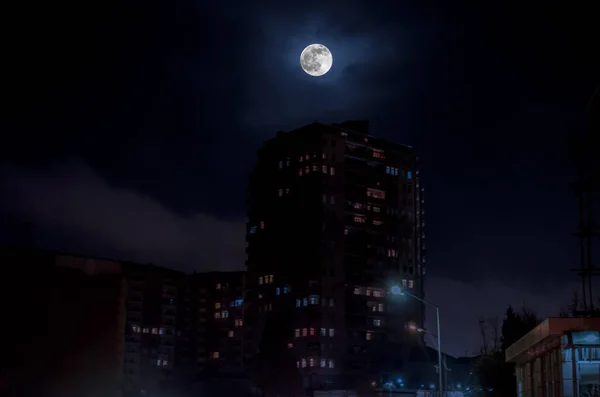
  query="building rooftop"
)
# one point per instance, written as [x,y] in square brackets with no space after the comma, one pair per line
[549,331]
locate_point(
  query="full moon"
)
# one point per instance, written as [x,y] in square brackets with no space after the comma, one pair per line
[316,60]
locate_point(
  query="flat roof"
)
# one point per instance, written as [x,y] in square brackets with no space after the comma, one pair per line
[549,329]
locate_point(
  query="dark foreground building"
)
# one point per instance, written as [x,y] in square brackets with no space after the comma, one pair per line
[95,327]
[336,220]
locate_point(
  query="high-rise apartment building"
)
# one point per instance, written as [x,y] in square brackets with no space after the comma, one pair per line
[335,220]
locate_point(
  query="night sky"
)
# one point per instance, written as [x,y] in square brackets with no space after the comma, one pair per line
[132,129]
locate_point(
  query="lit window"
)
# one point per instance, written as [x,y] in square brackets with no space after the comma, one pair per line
[357,206]
[300,159]
[217,305]
[323,156]
[280,192]
[369,336]
[304,302]
[146,330]
[314,299]
[252,230]
[409,174]
[331,302]
[135,328]
[307,157]
[378,293]
[225,314]
[331,170]
[158,362]
[377,222]
[297,302]
[312,332]
[311,362]
[270,278]
[323,331]
[277,291]
[286,289]
[300,172]
[375,193]
[262,224]
[281,164]
[290,345]
[304,331]
[378,154]
[323,363]
[331,332]
[315,168]
[324,169]
[376,209]
[368,292]
[239,322]
[297,332]
[218,286]
[380,307]
[231,334]
[387,169]
[161,331]
[331,364]
[303,363]
[215,355]
[154,331]
[259,296]
[287,191]
[377,322]
[297,364]
[411,283]
[359,219]
[217,314]
[165,363]
[346,231]
[307,169]
[404,282]
[359,291]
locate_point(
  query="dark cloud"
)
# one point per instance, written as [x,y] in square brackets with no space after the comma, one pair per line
[97,218]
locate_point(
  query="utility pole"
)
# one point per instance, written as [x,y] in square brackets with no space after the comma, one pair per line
[586,188]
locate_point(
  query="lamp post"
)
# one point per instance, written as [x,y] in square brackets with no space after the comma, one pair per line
[398,291]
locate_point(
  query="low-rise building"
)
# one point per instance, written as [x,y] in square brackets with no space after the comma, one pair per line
[558,358]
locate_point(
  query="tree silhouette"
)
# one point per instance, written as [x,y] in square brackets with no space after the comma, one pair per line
[495,375]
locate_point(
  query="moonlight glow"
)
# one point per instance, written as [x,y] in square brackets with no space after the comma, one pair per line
[316,60]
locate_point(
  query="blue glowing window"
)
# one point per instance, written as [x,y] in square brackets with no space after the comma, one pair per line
[253,230]
[409,174]
[277,291]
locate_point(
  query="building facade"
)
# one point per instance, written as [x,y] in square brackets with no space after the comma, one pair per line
[335,220]
[119,328]
[558,358]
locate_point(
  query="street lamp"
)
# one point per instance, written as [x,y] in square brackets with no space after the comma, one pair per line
[396,290]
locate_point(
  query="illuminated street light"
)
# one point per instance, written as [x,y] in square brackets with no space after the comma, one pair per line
[396,290]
